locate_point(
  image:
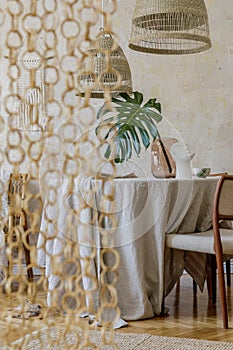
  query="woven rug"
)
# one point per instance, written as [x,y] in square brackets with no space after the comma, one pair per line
[47,338]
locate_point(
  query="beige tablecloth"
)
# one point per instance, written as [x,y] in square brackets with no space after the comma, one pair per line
[145,210]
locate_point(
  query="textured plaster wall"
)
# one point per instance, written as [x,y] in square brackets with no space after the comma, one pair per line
[196,91]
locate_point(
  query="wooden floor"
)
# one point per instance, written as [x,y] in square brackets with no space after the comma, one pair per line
[189,317]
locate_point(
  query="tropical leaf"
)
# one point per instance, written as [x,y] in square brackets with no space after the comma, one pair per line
[132,124]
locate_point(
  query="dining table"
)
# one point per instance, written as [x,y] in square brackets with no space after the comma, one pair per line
[145,210]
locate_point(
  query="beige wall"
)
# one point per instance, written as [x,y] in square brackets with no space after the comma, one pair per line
[196,91]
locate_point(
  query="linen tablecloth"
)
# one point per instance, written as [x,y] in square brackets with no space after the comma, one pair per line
[145,210]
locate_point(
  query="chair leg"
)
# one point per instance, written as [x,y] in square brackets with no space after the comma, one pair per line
[23,221]
[213,278]
[222,291]
[28,259]
[209,286]
[228,271]
[28,262]
[194,288]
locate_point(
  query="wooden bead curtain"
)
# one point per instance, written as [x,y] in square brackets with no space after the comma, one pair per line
[47,132]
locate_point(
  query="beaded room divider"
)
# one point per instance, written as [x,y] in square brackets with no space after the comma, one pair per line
[54,296]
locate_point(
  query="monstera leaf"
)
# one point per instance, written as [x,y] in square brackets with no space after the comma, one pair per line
[133,124]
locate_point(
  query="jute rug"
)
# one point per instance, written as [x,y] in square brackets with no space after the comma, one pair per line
[48,338]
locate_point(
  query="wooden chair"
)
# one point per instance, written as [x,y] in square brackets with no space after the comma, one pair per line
[16,229]
[211,279]
[217,241]
[213,263]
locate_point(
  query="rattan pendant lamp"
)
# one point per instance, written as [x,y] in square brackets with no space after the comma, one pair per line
[105,68]
[170,27]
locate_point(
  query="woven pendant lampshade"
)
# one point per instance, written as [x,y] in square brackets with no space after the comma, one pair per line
[170,27]
[104,68]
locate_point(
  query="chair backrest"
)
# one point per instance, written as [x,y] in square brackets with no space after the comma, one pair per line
[17,189]
[223,201]
[216,174]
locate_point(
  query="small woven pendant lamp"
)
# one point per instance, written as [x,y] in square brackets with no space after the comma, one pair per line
[170,27]
[104,68]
